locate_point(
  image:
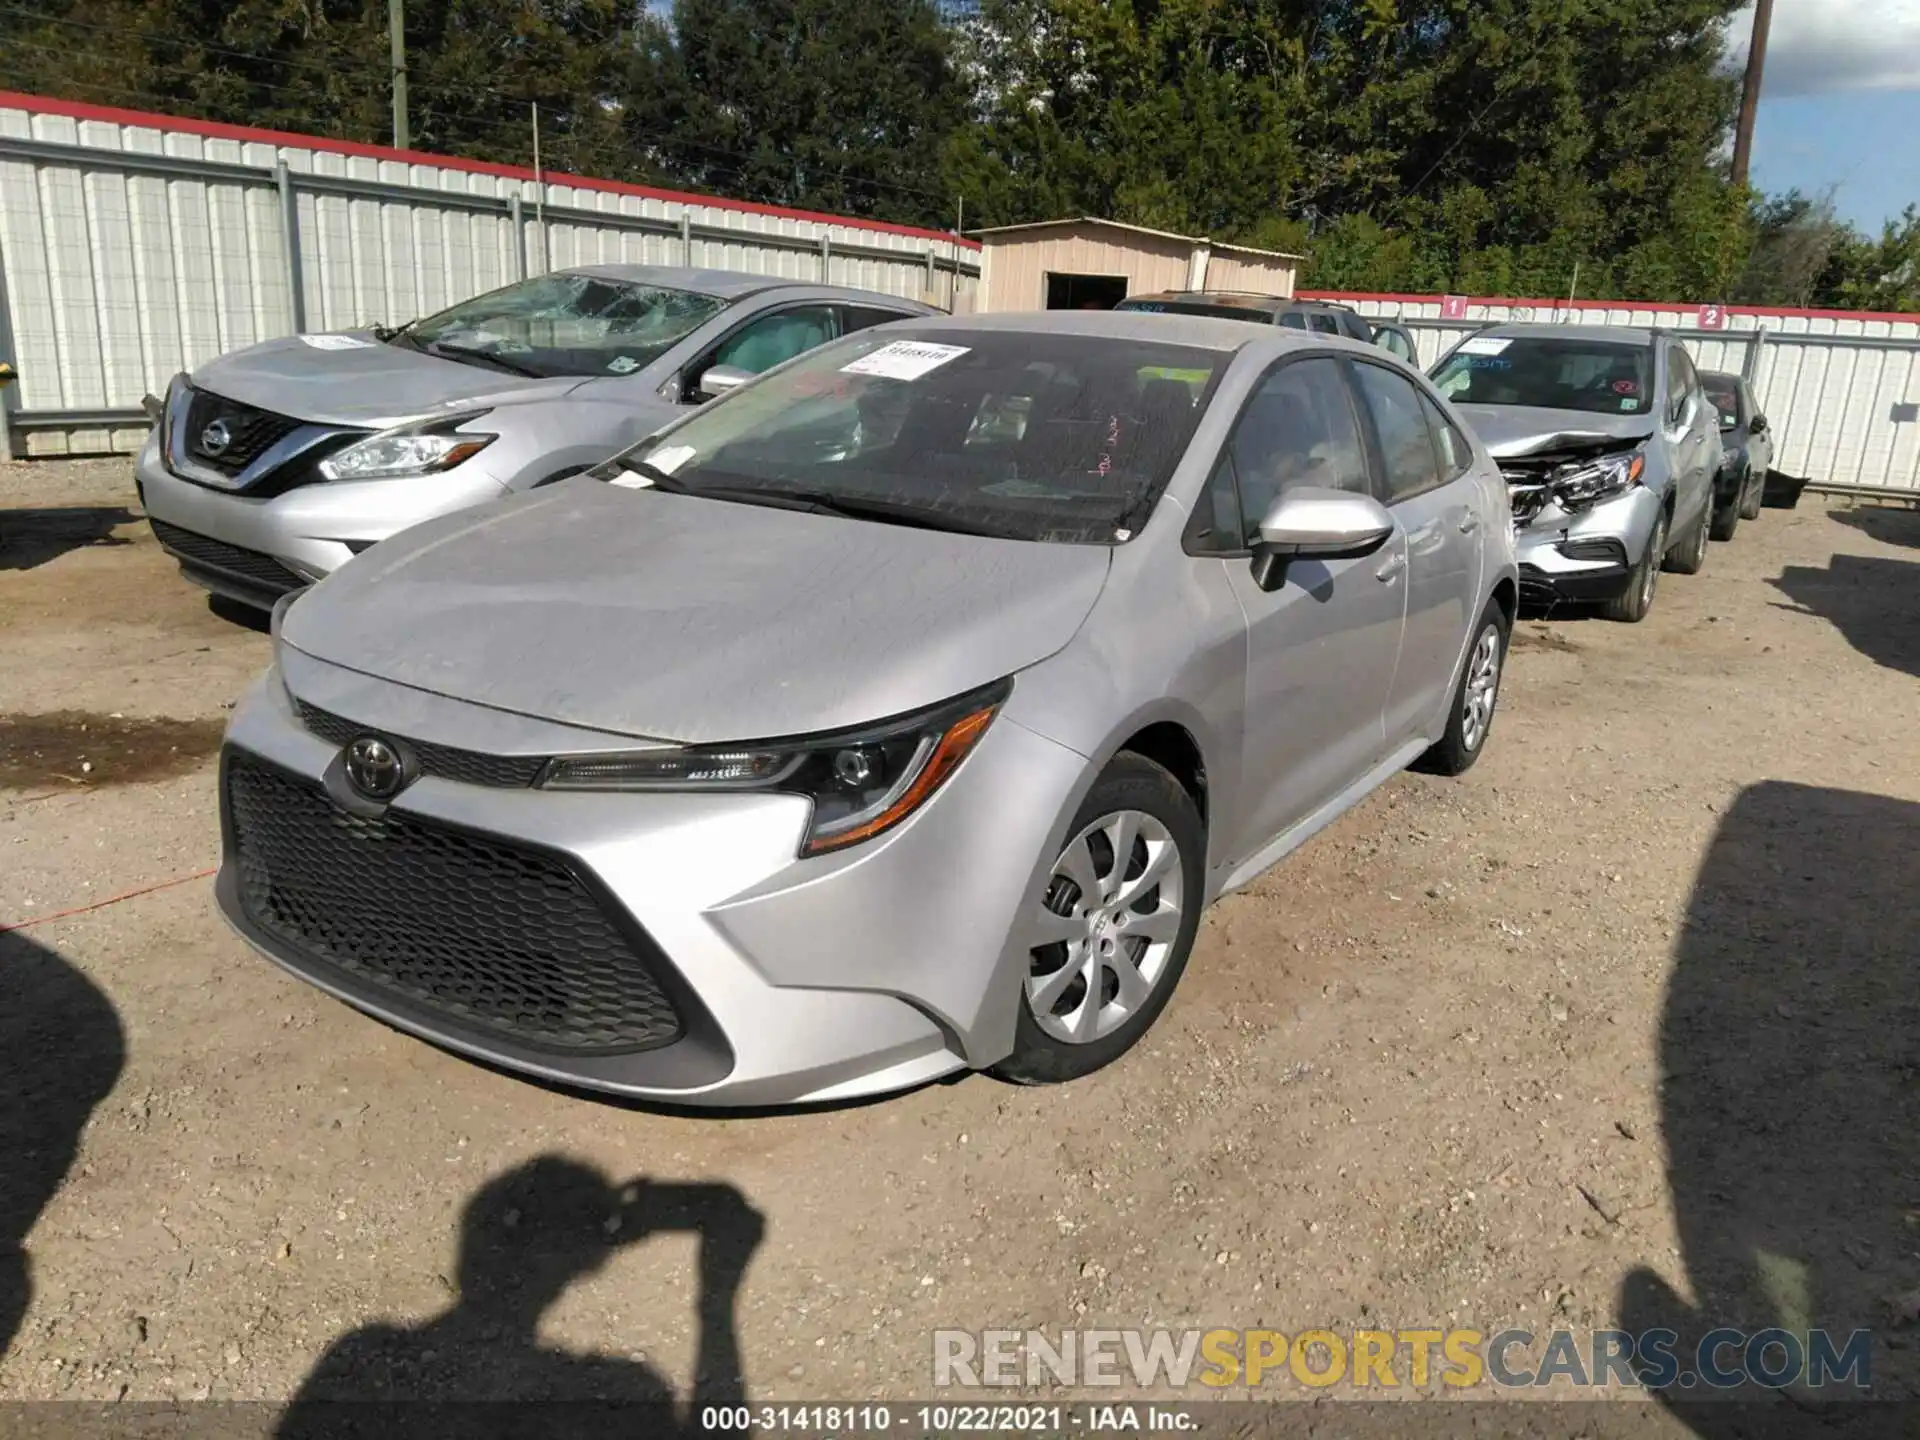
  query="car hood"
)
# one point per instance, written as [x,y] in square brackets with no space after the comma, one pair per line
[356,380]
[1510,430]
[677,618]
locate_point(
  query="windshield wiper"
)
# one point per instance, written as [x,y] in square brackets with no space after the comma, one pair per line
[897,512]
[660,478]
[486,357]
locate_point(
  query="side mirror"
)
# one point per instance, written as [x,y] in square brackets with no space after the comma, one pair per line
[1757,425]
[717,380]
[1315,524]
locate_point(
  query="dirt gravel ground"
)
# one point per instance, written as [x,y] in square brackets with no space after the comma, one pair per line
[1621,1028]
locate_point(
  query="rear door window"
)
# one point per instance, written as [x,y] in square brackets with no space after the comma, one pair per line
[1326,324]
[864,317]
[1456,455]
[1406,445]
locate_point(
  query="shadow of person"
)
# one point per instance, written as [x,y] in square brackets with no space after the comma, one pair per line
[526,1237]
[29,538]
[1868,599]
[64,1050]
[1790,1106]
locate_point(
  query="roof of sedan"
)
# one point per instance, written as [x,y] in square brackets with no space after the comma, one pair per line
[1203,332]
[725,284]
[1618,334]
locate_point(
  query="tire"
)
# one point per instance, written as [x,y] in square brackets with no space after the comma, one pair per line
[1475,699]
[1753,495]
[1158,811]
[1631,607]
[1690,556]
[1726,519]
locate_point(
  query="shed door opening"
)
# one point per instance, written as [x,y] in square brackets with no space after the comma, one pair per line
[1084,292]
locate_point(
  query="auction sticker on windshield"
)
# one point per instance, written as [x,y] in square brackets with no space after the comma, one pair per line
[904,360]
[1484,345]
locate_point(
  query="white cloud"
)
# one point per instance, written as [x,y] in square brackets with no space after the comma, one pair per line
[1819,46]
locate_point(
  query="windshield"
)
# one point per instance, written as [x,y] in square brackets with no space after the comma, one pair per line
[1549,372]
[1067,438]
[1199,307]
[1725,396]
[564,325]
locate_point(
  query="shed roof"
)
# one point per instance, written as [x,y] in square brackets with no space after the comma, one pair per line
[1070,220]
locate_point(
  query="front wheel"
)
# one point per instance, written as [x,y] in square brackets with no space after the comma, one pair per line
[1113,926]
[1631,605]
[1726,518]
[1690,557]
[1754,495]
[1471,717]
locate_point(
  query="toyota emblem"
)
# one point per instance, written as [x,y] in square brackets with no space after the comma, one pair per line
[374,768]
[215,439]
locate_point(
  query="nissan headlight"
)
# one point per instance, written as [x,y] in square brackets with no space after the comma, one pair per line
[1602,480]
[861,782]
[410,450]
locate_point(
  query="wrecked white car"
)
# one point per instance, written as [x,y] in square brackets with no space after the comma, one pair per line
[1609,445]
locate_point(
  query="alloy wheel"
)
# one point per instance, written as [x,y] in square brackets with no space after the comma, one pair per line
[1656,554]
[1483,689]
[1106,928]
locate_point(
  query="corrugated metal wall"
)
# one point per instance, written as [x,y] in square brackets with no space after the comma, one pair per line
[1842,391]
[1018,264]
[1235,270]
[130,251]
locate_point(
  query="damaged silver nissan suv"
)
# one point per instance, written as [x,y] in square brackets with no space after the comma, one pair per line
[1609,446]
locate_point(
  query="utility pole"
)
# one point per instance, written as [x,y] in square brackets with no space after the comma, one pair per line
[397,43]
[1750,94]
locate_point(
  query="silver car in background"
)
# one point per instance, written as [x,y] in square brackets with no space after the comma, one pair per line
[1611,448]
[896,715]
[270,467]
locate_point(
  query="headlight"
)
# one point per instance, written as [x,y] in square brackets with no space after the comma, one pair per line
[1612,476]
[413,451]
[861,782]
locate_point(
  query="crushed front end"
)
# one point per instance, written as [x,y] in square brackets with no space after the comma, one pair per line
[1583,515]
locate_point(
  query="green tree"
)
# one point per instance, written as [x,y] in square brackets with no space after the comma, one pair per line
[839,105]
[474,68]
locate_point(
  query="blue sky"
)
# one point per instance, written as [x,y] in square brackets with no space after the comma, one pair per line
[1840,107]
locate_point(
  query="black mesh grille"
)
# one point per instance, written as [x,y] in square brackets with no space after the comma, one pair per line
[210,554]
[249,431]
[469,767]
[497,938]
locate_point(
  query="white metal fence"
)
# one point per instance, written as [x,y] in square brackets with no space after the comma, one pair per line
[1841,390]
[135,246]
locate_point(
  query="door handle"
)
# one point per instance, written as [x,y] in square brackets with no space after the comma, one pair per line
[1390,568]
[1469,523]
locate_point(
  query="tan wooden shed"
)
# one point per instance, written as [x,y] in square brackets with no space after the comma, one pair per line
[1083,263]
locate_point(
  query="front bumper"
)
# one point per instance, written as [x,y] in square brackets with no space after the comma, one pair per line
[254,549]
[795,981]
[1585,556]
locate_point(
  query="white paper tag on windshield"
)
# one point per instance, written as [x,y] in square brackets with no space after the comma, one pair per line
[904,360]
[671,457]
[1484,346]
[667,459]
[337,342]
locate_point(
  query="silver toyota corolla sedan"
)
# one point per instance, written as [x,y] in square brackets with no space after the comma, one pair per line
[271,466]
[897,714]
[1611,447]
